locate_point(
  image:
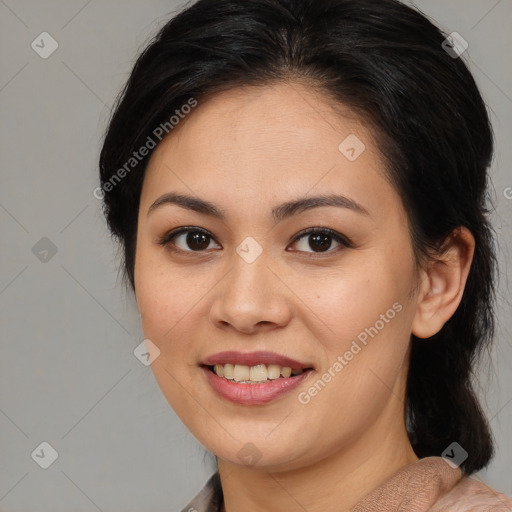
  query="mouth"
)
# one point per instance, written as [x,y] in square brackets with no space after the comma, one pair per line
[257,374]
[254,378]
[253,385]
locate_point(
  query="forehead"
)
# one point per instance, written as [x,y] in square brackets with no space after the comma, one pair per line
[282,121]
[279,141]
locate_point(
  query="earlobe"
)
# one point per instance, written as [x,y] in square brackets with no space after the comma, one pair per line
[443,283]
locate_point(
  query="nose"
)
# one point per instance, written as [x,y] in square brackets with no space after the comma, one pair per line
[252,298]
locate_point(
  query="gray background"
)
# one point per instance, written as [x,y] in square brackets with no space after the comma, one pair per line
[68,375]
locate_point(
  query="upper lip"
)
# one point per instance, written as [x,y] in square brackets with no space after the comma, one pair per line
[254,358]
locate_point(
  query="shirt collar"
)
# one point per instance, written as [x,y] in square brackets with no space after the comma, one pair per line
[415,487]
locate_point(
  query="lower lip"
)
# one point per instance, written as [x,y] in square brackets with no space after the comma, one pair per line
[253,394]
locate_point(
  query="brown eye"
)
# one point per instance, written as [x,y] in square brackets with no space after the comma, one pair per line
[320,240]
[189,240]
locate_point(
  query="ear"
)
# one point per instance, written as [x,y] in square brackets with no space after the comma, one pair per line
[443,282]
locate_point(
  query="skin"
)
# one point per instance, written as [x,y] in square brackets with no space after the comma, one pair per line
[247,151]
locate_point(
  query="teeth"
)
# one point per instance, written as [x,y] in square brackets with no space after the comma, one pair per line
[286,371]
[241,372]
[274,371]
[253,374]
[258,373]
[228,371]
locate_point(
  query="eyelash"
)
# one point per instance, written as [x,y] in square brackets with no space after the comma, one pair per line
[166,239]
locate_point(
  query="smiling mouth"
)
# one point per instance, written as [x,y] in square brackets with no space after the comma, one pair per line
[258,374]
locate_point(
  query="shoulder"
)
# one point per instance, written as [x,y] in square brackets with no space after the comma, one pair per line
[471,495]
[209,498]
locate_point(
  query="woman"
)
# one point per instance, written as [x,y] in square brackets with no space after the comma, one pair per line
[298,187]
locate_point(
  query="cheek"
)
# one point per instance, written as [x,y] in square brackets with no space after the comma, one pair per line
[362,317]
[158,297]
[171,300]
[364,349]
[355,299]
[163,306]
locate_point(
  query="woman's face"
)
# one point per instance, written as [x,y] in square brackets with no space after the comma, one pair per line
[245,278]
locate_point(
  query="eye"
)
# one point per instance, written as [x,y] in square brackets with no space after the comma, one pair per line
[320,240]
[188,239]
[193,239]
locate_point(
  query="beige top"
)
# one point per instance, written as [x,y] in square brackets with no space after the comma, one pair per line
[428,485]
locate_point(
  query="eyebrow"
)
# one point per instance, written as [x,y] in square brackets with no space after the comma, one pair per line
[279,213]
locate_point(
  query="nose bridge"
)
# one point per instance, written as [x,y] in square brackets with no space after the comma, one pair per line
[251,293]
[249,272]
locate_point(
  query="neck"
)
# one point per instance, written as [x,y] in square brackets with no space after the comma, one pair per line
[333,484]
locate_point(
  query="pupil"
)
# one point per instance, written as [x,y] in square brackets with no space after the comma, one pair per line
[197,241]
[320,241]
